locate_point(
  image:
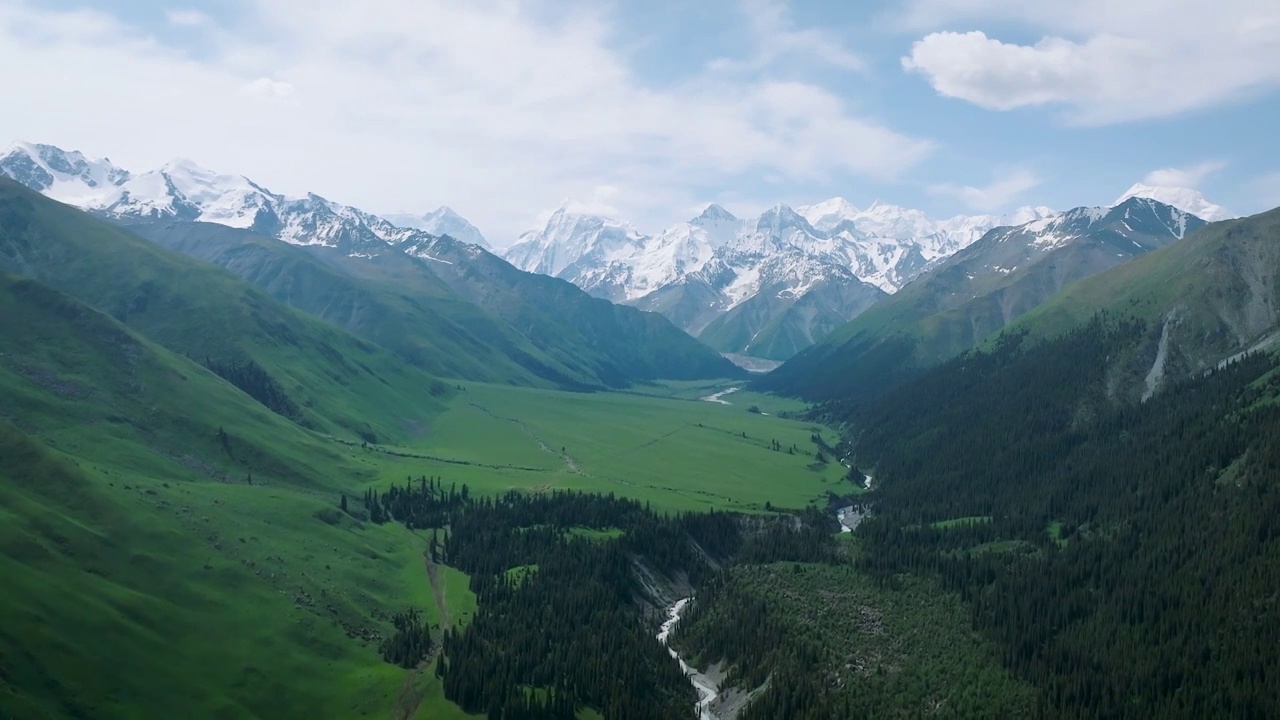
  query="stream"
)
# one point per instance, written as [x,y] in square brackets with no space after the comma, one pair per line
[707,692]
[717,397]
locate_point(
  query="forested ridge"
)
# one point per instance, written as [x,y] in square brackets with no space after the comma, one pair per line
[1125,555]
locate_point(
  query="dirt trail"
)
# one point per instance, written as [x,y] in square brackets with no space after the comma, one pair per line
[437,591]
[410,698]
[567,459]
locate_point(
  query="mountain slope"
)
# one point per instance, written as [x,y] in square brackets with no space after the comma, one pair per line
[617,343]
[974,294]
[779,321]
[1205,299]
[455,309]
[170,547]
[389,299]
[308,370]
[1107,543]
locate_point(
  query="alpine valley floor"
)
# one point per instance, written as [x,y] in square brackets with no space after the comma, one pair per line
[144,579]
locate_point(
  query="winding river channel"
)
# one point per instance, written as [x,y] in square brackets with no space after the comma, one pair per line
[707,692]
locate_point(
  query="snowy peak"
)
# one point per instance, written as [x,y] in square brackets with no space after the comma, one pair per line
[714,214]
[1185,199]
[1153,217]
[64,176]
[574,239]
[781,219]
[1144,224]
[884,245]
[184,190]
[442,221]
[828,214]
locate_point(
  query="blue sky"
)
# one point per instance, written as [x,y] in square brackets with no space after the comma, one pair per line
[649,110]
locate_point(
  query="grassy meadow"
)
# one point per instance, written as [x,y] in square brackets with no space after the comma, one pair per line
[677,454]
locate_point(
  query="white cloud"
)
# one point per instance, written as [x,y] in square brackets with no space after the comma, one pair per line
[268,88]
[991,197]
[475,104]
[599,202]
[1188,177]
[186,17]
[774,36]
[1104,61]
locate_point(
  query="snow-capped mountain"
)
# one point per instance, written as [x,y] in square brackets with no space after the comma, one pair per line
[68,177]
[182,190]
[1185,199]
[718,271]
[970,296]
[441,221]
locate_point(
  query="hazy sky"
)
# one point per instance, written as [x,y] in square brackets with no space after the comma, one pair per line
[650,109]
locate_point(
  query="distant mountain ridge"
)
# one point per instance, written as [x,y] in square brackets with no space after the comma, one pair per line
[452,328]
[766,286]
[975,293]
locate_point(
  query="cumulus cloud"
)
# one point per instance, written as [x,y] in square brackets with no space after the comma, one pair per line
[482,105]
[991,197]
[1188,177]
[1105,62]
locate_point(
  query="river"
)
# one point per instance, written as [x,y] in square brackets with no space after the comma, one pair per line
[717,397]
[707,692]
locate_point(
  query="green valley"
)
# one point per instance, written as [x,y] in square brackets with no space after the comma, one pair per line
[173,547]
[265,455]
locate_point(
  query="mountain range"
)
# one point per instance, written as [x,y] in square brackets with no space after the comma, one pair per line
[471,317]
[772,285]
[766,286]
[758,289]
[975,293]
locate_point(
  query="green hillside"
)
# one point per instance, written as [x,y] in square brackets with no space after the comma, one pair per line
[615,344]
[392,300]
[307,370]
[456,312]
[168,546]
[1217,293]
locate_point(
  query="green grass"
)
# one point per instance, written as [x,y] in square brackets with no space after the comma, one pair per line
[675,454]
[1005,546]
[593,534]
[518,573]
[678,455]
[144,576]
[1055,533]
[961,522]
